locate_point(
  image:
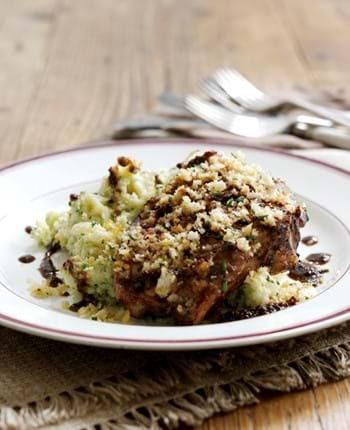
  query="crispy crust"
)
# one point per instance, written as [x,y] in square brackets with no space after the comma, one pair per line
[195,243]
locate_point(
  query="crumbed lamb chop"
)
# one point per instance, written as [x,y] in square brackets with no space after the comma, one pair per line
[217,219]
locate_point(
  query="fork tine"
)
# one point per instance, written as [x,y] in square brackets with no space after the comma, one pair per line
[229,83]
[211,113]
[235,84]
[235,76]
[242,80]
[243,91]
[206,109]
[246,94]
[213,90]
[240,124]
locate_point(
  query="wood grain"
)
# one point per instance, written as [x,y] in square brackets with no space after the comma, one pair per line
[322,408]
[69,69]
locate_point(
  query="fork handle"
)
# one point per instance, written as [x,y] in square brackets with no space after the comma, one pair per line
[319,110]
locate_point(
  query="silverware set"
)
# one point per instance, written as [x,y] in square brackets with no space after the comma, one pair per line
[232,103]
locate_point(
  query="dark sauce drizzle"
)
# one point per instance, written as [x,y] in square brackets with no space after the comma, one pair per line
[309,240]
[262,310]
[82,288]
[306,272]
[242,314]
[87,299]
[47,269]
[26,259]
[319,258]
[28,229]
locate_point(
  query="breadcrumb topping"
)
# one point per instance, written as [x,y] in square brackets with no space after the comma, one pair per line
[216,193]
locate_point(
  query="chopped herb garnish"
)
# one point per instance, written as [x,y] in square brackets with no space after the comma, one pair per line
[216,195]
[224,286]
[132,237]
[94,318]
[93,223]
[232,200]
[207,225]
[251,237]
[224,267]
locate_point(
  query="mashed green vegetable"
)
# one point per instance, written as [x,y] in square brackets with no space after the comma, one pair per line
[262,288]
[90,230]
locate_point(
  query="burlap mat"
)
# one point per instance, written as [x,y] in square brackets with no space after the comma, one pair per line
[51,385]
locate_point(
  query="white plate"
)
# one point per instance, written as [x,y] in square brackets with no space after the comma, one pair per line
[30,188]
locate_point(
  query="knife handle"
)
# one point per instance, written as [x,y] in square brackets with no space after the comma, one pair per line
[331,136]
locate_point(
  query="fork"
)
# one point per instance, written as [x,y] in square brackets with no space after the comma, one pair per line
[248,124]
[250,97]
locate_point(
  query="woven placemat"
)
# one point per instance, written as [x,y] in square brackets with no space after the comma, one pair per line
[46,384]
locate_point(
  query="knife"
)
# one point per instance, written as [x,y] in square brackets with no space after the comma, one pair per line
[331,136]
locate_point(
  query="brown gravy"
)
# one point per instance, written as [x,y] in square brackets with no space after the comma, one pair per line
[243,314]
[87,299]
[305,272]
[74,307]
[26,259]
[319,258]
[28,229]
[47,269]
[309,240]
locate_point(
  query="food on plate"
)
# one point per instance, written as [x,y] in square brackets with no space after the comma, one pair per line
[205,241]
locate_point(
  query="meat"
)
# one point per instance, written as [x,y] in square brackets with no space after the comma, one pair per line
[199,287]
[184,264]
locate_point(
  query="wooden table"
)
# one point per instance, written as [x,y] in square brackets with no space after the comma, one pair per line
[71,68]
